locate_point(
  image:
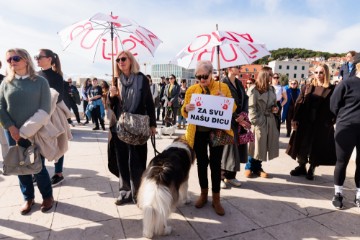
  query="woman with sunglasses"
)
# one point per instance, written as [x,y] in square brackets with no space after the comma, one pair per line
[23,94]
[171,95]
[312,139]
[198,136]
[292,94]
[50,65]
[132,94]
[262,107]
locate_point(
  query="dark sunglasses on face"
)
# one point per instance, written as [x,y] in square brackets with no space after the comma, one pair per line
[294,83]
[319,73]
[39,57]
[275,77]
[123,59]
[199,77]
[14,58]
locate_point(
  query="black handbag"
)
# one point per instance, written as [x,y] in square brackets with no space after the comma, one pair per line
[22,161]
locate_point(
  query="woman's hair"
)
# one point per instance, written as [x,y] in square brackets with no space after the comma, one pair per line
[352,53]
[30,65]
[175,81]
[204,65]
[357,66]
[134,65]
[262,82]
[105,85]
[55,61]
[326,83]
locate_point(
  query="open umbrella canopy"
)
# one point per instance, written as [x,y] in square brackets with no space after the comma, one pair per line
[104,36]
[234,49]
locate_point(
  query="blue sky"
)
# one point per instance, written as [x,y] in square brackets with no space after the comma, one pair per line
[323,25]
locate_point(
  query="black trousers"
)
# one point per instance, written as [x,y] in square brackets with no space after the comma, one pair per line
[346,138]
[85,103]
[75,109]
[203,160]
[96,116]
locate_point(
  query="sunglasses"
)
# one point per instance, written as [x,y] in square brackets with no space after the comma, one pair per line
[293,83]
[199,77]
[14,58]
[319,73]
[275,77]
[39,57]
[123,59]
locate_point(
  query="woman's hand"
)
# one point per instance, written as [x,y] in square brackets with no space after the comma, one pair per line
[274,109]
[152,131]
[113,91]
[220,94]
[189,107]
[14,132]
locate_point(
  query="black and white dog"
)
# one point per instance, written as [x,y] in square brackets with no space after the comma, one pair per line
[164,185]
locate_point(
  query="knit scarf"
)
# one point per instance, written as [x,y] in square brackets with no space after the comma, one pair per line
[130,89]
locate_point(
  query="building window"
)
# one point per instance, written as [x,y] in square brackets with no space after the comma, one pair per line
[241,76]
[295,67]
[246,69]
[302,76]
[254,69]
[280,66]
[252,76]
[294,75]
[287,67]
[303,68]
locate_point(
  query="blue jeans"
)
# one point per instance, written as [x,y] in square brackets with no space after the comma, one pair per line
[25,181]
[59,165]
[253,164]
[181,119]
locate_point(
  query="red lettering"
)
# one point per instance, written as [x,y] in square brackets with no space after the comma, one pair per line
[88,28]
[200,36]
[245,36]
[206,52]
[149,34]
[251,53]
[107,56]
[233,50]
[233,38]
[116,24]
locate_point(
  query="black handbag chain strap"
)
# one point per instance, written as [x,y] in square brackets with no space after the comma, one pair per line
[154,145]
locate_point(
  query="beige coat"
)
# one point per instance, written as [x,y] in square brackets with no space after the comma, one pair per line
[50,133]
[263,124]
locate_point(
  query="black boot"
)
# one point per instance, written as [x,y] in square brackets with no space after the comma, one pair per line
[310,173]
[299,170]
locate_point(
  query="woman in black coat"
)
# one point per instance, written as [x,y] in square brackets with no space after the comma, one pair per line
[132,95]
[313,137]
[236,153]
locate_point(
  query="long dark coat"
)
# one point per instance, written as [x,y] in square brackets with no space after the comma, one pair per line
[235,154]
[316,127]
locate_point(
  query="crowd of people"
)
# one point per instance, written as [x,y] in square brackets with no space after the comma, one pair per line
[260,107]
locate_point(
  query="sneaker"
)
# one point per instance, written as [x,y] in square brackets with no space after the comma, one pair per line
[223,185]
[298,171]
[337,201]
[357,202]
[56,180]
[95,128]
[234,182]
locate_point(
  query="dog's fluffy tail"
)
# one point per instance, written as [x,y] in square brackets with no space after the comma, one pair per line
[156,205]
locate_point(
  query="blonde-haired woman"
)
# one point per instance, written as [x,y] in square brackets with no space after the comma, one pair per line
[132,94]
[20,88]
[312,140]
[262,106]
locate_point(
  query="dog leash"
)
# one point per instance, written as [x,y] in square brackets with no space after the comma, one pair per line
[154,145]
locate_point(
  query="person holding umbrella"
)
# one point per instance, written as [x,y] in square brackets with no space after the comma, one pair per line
[198,137]
[132,94]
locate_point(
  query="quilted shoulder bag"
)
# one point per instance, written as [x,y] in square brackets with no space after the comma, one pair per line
[133,129]
[22,161]
[219,137]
